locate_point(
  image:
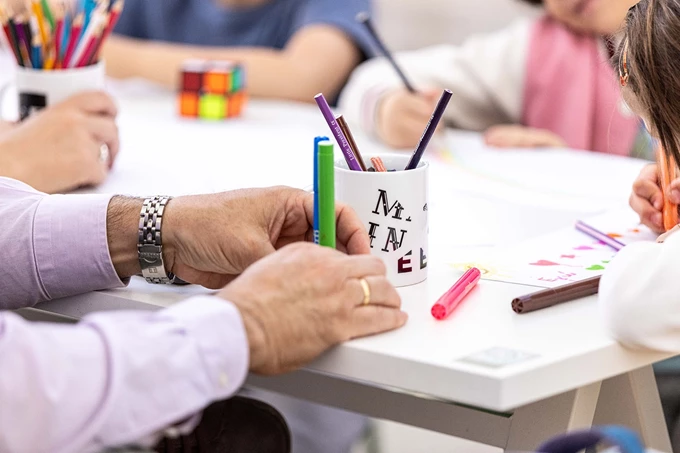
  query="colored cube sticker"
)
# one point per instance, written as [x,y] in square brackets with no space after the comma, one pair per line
[188,104]
[212,107]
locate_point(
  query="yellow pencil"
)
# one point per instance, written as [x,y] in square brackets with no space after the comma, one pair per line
[37,10]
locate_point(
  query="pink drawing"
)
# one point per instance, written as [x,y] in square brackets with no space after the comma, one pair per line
[583,247]
[544,263]
[571,257]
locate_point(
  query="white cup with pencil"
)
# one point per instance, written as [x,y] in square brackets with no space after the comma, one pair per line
[57,49]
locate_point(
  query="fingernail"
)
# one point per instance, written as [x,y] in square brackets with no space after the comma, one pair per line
[403,317]
[675,196]
[657,219]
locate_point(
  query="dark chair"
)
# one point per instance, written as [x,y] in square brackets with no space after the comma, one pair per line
[237,425]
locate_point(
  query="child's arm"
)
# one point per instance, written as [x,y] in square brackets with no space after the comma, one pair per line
[318,58]
[640,295]
[486,75]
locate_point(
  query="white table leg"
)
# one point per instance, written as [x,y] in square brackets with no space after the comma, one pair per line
[632,400]
[535,423]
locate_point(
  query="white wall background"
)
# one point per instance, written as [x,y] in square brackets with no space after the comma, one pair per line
[410,24]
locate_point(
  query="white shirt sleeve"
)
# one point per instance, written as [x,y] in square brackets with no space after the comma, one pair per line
[640,295]
[486,75]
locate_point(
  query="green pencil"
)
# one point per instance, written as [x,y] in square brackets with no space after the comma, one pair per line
[326,195]
[48,14]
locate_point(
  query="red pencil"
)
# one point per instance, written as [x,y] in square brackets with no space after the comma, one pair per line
[90,48]
[58,36]
[378,164]
[73,39]
[113,20]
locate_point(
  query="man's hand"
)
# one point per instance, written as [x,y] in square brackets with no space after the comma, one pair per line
[304,299]
[517,136]
[58,149]
[647,198]
[211,239]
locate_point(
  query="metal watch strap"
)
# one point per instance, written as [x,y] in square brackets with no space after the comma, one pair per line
[150,244]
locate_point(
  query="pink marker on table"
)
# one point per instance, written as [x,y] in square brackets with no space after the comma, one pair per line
[453,297]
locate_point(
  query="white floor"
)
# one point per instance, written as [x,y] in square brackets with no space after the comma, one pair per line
[397,438]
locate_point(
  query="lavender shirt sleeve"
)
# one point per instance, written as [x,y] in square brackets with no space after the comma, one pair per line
[116,377]
[52,245]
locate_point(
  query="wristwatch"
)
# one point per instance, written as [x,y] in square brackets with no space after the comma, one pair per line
[149,244]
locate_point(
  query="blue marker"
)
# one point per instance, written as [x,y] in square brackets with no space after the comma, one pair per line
[317,140]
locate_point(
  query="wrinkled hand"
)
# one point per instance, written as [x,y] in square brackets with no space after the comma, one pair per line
[516,136]
[647,198]
[211,239]
[402,116]
[304,299]
[58,149]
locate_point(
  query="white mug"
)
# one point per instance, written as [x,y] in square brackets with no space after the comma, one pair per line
[37,88]
[393,207]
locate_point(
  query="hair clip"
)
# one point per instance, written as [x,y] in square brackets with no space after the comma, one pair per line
[623,65]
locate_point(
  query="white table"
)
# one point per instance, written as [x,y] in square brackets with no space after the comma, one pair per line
[576,375]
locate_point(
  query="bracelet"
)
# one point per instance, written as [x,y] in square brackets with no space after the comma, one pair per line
[149,244]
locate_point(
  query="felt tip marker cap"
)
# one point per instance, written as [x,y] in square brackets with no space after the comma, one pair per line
[453,297]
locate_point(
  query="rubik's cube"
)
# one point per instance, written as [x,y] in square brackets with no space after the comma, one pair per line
[212,90]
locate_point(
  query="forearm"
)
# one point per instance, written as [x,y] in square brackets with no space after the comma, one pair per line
[116,378]
[275,74]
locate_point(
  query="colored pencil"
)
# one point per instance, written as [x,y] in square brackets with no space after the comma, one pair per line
[430,130]
[599,235]
[378,164]
[365,19]
[326,195]
[36,52]
[667,173]
[317,140]
[13,32]
[114,15]
[350,139]
[73,40]
[351,160]
[8,30]
[39,21]
[90,47]
[58,36]
[555,296]
[48,13]
[23,42]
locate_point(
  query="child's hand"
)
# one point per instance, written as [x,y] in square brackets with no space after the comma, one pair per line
[516,136]
[402,116]
[647,197]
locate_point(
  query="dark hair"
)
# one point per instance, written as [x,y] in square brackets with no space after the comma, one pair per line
[652,44]
[533,2]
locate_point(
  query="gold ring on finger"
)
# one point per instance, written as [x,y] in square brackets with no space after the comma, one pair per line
[367,291]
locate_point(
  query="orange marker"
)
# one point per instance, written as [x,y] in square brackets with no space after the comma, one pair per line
[667,173]
[378,164]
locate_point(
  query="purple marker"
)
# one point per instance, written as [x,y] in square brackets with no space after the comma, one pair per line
[337,132]
[429,130]
[600,236]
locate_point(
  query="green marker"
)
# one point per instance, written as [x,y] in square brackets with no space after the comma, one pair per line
[326,195]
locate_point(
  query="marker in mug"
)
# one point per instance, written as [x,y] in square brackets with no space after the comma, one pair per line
[430,129]
[453,297]
[326,195]
[317,140]
[352,163]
